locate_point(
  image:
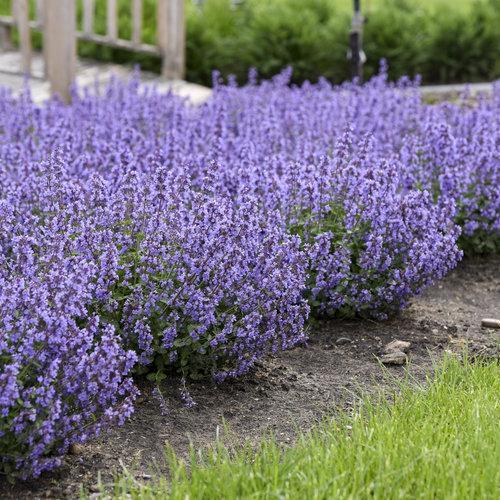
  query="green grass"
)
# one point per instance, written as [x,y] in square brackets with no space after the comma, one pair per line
[437,440]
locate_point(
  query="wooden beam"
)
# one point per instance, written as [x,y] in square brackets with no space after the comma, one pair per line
[39,11]
[88,16]
[136,22]
[21,8]
[59,38]
[6,38]
[111,20]
[171,38]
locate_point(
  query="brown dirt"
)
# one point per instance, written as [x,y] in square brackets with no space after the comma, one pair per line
[290,391]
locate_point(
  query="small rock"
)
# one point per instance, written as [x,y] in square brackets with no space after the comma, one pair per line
[397,345]
[490,323]
[75,449]
[94,488]
[394,358]
[343,341]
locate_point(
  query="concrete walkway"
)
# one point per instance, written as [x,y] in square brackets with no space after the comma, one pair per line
[87,73]
[457,89]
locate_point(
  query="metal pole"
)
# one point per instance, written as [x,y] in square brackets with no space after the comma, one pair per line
[356,53]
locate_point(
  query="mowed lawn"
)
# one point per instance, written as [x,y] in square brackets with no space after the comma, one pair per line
[435,440]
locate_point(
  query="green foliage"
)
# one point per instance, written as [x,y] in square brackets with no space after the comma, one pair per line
[441,40]
[331,220]
[480,243]
[465,47]
[194,359]
[271,35]
[433,440]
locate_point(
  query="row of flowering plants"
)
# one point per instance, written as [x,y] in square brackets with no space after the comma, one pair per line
[141,235]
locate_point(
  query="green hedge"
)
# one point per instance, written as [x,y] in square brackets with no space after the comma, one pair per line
[443,40]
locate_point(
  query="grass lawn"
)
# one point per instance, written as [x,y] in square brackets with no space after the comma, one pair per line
[438,440]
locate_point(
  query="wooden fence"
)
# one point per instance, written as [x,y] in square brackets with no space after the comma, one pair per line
[56,19]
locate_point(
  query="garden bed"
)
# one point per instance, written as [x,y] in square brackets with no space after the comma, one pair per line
[148,244]
[290,391]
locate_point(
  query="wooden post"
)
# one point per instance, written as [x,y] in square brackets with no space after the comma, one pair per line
[6,38]
[111,20]
[21,8]
[39,12]
[59,39]
[171,36]
[88,16]
[137,22]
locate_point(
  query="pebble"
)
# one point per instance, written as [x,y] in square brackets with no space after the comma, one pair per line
[75,449]
[397,345]
[490,323]
[394,358]
[343,341]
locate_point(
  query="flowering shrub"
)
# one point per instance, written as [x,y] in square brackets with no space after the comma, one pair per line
[202,283]
[140,234]
[64,375]
[182,277]
[255,133]
[372,245]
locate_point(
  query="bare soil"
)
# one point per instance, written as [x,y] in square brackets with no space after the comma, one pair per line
[292,390]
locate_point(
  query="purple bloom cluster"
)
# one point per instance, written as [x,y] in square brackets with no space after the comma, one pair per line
[63,371]
[94,272]
[200,281]
[372,245]
[138,233]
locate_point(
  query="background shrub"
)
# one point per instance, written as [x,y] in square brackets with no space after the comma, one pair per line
[444,41]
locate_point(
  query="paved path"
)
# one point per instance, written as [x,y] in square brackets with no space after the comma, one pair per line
[88,72]
[458,88]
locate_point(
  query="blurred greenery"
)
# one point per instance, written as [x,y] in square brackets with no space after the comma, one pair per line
[443,40]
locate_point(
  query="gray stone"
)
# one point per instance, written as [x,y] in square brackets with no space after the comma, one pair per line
[490,323]
[394,358]
[75,449]
[343,341]
[397,345]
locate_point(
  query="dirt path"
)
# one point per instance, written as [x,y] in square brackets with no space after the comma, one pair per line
[294,389]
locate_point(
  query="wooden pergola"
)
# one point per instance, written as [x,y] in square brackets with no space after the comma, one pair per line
[56,19]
